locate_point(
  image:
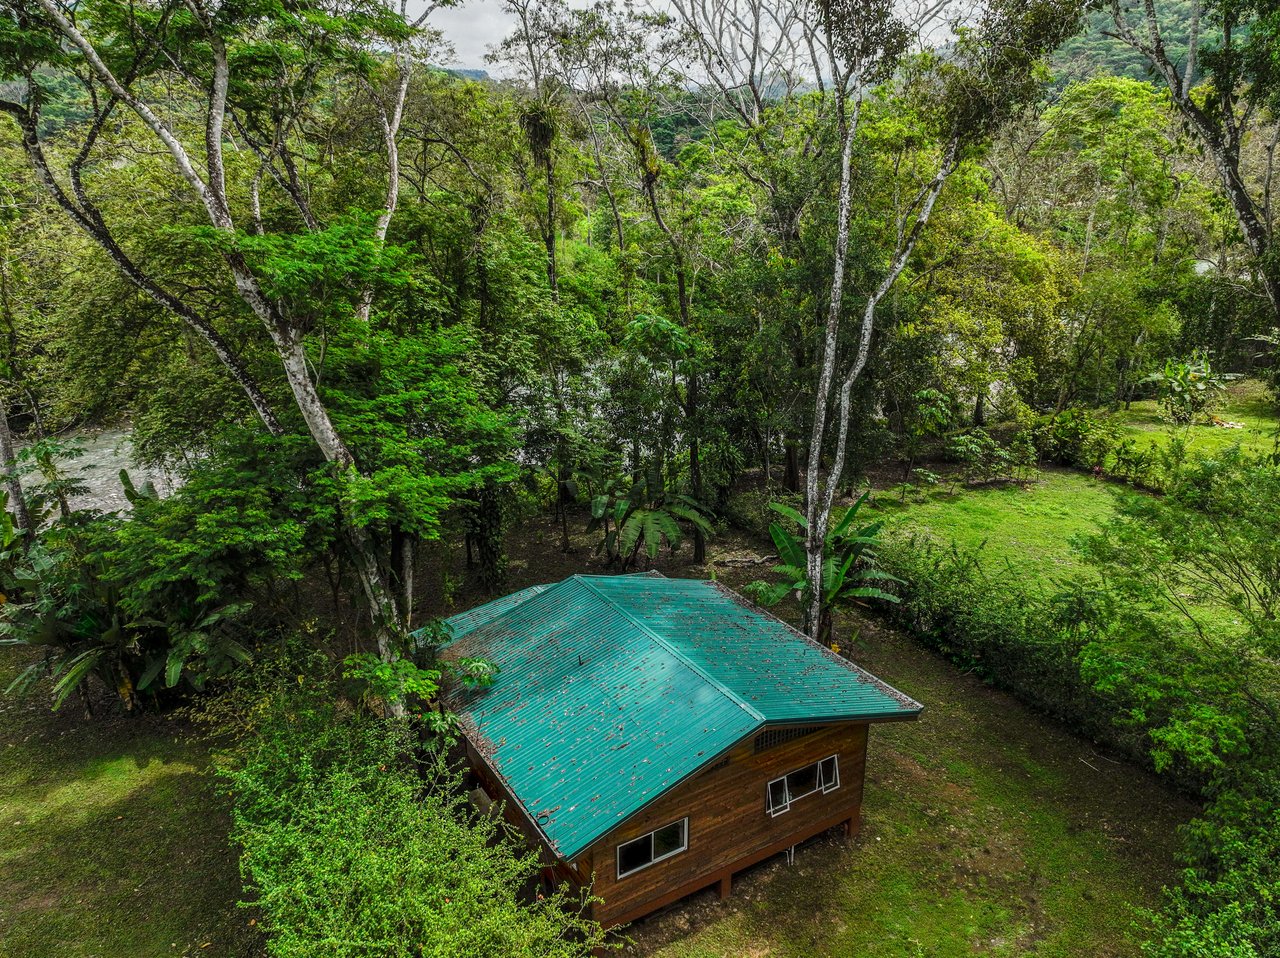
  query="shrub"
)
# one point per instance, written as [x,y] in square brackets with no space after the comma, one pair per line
[1076,437]
[750,510]
[985,460]
[356,841]
[1188,389]
[1226,906]
[1028,644]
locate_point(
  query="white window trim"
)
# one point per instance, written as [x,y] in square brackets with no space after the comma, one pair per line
[684,822]
[821,786]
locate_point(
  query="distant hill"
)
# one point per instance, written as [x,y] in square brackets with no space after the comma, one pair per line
[1091,51]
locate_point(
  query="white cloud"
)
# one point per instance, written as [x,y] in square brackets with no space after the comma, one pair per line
[471,28]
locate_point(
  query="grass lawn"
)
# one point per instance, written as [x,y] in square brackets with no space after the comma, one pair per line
[1028,528]
[1247,404]
[112,841]
[986,830]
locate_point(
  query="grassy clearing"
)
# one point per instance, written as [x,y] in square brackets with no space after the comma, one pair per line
[987,830]
[1028,530]
[1248,404]
[112,842]
[1025,529]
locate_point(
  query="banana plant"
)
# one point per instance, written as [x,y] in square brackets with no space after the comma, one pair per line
[1188,389]
[643,518]
[849,576]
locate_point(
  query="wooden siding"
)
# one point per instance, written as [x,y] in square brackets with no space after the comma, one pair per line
[729,827]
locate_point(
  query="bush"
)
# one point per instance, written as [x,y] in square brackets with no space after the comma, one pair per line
[355,841]
[1028,644]
[1076,437]
[750,511]
[1227,904]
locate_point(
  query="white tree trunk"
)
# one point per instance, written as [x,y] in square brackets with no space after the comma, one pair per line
[819,496]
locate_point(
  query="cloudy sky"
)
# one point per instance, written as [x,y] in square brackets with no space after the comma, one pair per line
[472,27]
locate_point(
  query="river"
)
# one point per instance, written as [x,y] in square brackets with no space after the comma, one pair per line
[100,455]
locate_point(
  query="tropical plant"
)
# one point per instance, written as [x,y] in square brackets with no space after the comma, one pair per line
[848,567]
[1188,389]
[643,518]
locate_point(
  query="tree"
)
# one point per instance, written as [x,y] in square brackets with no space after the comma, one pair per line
[990,74]
[118,55]
[1241,86]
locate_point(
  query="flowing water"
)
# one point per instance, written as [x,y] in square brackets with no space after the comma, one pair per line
[96,458]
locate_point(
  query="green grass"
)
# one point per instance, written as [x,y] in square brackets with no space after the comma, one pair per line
[1248,404]
[1027,529]
[987,831]
[112,842]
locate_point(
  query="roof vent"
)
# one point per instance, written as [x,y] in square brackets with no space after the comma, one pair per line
[772,738]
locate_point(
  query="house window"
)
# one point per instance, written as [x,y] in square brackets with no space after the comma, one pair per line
[821,776]
[658,844]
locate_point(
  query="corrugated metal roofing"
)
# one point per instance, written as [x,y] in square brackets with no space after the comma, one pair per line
[612,689]
[464,622]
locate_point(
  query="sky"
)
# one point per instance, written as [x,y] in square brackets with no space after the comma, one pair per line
[472,27]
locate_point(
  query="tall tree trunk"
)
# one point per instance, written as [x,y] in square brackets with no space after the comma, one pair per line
[820,500]
[8,465]
[791,474]
[553,274]
[695,466]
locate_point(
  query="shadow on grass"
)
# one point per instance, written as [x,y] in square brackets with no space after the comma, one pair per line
[143,870]
[987,829]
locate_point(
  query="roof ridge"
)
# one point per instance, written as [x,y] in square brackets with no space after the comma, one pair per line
[863,675]
[716,683]
[535,590]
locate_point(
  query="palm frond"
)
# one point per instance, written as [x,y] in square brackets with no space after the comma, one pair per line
[74,671]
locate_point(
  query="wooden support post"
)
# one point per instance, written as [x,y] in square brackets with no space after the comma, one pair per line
[726,885]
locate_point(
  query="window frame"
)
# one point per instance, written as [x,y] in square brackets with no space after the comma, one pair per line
[822,785]
[684,847]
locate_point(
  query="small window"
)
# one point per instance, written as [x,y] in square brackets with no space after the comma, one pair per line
[829,773]
[647,849]
[778,801]
[821,776]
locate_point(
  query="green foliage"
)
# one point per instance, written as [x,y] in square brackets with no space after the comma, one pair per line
[172,595]
[355,839]
[1188,389]
[849,572]
[1167,652]
[1226,906]
[983,458]
[643,518]
[1076,437]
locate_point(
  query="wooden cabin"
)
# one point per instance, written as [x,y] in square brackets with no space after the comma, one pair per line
[654,736]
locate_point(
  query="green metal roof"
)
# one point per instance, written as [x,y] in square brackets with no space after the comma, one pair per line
[613,689]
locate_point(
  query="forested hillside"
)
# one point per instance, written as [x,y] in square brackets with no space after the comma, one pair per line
[946,332]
